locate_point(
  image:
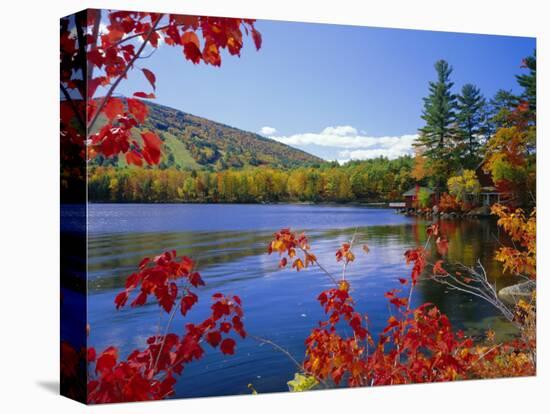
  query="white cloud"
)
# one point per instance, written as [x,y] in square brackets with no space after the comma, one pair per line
[346,137]
[390,147]
[267,130]
[342,131]
[390,153]
[348,143]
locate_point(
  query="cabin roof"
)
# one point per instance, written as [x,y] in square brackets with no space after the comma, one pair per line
[412,191]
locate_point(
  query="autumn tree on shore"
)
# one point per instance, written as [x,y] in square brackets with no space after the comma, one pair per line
[510,155]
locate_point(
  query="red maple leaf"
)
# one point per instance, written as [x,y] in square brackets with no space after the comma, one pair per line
[214,338]
[150,77]
[138,109]
[228,346]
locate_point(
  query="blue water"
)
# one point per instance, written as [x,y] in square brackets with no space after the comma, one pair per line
[229,242]
[132,218]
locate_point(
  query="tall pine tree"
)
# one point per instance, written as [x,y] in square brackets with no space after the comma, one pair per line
[439,113]
[438,136]
[472,123]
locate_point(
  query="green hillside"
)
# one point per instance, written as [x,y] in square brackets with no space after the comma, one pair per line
[195,143]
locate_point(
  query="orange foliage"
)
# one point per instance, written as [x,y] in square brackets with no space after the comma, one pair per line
[522,229]
[287,243]
[420,169]
[448,203]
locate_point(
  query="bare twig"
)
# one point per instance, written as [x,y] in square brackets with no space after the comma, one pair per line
[484,289]
[320,266]
[288,354]
[140,34]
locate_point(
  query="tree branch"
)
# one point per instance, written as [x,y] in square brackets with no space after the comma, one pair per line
[95,32]
[73,106]
[288,354]
[123,74]
[142,33]
[81,49]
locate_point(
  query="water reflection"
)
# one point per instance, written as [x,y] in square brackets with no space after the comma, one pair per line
[279,304]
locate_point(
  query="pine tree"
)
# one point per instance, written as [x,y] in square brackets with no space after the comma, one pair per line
[439,113]
[503,100]
[437,137]
[471,120]
[529,82]
[499,108]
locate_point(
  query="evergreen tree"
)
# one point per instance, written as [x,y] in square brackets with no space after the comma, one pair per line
[438,135]
[503,100]
[439,112]
[499,109]
[471,121]
[529,82]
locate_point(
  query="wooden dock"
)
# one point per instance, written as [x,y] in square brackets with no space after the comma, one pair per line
[397,204]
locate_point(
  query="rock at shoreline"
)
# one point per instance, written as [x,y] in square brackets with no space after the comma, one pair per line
[483,211]
[512,294]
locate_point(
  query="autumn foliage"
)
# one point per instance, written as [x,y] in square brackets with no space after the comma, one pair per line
[417,344]
[105,56]
[448,203]
[150,373]
[510,156]
[522,258]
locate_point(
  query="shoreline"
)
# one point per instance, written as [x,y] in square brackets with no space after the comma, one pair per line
[298,203]
[426,214]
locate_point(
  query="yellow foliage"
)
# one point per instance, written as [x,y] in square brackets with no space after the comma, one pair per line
[466,183]
[302,383]
[523,231]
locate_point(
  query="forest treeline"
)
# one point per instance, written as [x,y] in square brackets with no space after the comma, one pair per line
[372,180]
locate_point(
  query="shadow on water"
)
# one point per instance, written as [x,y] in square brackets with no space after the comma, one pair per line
[279,304]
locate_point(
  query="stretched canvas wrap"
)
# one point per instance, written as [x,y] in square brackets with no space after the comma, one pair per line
[258,206]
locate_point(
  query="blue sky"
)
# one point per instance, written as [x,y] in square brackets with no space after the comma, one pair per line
[339,92]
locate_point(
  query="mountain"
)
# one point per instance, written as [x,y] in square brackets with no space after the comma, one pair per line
[192,142]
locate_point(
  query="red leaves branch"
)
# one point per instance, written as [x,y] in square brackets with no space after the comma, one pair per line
[288,244]
[149,374]
[344,253]
[114,53]
[417,345]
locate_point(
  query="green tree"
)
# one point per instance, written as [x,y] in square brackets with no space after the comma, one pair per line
[439,112]
[423,198]
[500,107]
[471,121]
[529,82]
[439,133]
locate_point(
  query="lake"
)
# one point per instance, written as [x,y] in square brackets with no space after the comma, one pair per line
[229,243]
